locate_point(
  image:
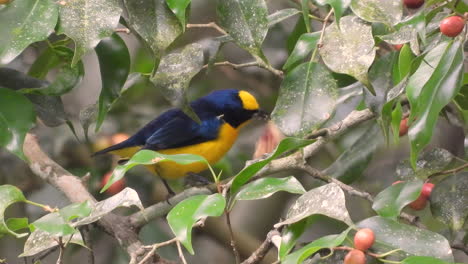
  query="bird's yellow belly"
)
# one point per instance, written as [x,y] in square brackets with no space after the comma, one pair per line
[212,151]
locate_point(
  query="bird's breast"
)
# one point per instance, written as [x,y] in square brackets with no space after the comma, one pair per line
[212,151]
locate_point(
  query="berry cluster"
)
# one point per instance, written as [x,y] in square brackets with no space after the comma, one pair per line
[363,240]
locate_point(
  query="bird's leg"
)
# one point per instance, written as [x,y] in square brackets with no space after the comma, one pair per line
[171,193]
[194,179]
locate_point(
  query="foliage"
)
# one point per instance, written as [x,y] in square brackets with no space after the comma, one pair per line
[349,57]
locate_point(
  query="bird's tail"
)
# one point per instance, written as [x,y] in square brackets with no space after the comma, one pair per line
[124,144]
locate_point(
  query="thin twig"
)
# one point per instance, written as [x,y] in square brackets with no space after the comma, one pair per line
[263,249]
[181,254]
[122,30]
[461,247]
[154,247]
[212,25]
[319,43]
[265,66]
[231,233]
[451,171]
[61,247]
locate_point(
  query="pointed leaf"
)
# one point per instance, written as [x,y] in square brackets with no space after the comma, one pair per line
[23,23]
[305,14]
[148,157]
[429,162]
[17,117]
[246,22]
[78,210]
[423,260]
[87,22]
[289,236]
[154,22]
[388,12]
[175,72]
[178,8]
[39,241]
[328,200]
[349,49]
[281,15]
[53,224]
[324,242]
[411,240]
[287,144]
[449,200]
[186,213]
[397,114]
[307,99]
[339,6]
[266,187]
[439,90]
[389,202]
[114,64]
[9,195]
[304,45]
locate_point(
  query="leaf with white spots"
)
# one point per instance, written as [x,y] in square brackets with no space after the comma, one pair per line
[429,162]
[307,99]
[339,6]
[23,23]
[266,187]
[9,195]
[186,213]
[349,49]
[87,22]
[388,12]
[281,15]
[246,21]
[328,200]
[154,22]
[39,241]
[390,234]
[449,200]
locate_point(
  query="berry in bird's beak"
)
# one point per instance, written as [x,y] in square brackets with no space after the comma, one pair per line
[261,115]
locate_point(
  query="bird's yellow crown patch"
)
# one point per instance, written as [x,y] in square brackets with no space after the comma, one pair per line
[248,101]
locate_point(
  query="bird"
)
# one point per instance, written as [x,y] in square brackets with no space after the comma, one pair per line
[222,114]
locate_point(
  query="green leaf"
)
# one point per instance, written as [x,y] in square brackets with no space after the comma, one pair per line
[246,22]
[422,260]
[53,224]
[389,202]
[287,144]
[328,200]
[15,224]
[324,242]
[77,210]
[379,78]
[174,74]
[305,13]
[339,6]
[9,195]
[304,45]
[186,213]
[427,101]
[114,64]
[354,160]
[289,237]
[281,15]
[49,59]
[449,200]
[411,240]
[404,62]
[349,49]
[299,30]
[17,117]
[266,187]
[388,12]
[396,120]
[148,157]
[178,8]
[39,241]
[429,162]
[23,23]
[307,99]
[154,22]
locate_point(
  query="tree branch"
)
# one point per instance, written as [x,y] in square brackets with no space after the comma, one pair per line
[212,25]
[72,187]
[263,249]
[278,73]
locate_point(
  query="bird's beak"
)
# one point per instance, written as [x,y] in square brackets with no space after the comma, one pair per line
[261,115]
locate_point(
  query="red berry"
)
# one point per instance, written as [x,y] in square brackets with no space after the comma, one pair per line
[452,26]
[355,256]
[398,46]
[427,189]
[413,3]
[364,239]
[403,127]
[397,182]
[116,187]
[419,203]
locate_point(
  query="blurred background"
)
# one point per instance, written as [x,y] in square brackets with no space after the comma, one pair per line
[141,102]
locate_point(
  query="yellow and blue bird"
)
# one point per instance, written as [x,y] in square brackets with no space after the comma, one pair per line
[222,114]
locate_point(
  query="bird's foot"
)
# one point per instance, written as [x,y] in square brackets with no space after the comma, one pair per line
[170,192]
[196,180]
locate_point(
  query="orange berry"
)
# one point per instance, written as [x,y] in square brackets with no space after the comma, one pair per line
[413,3]
[364,239]
[427,189]
[355,256]
[452,26]
[419,203]
[116,187]
[403,127]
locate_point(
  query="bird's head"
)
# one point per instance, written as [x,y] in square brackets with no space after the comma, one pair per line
[236,106]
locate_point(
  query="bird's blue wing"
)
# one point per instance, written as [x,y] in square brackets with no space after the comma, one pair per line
[182,131]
